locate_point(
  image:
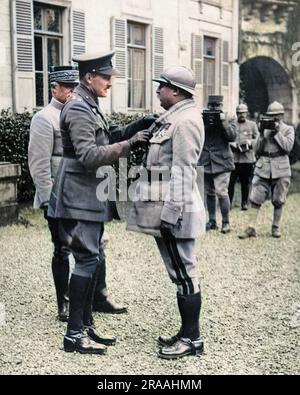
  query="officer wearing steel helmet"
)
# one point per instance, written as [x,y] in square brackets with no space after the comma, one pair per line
[243,154]
[272,173]
[174,219]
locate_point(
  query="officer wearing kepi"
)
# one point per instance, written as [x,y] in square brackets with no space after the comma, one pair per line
[170,206]
[217,160]
[44,155]
[87,145]
[243,153]
[272,173]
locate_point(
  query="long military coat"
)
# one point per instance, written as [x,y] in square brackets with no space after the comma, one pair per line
[88,145]
[44,150]
[217,156]
[175,146]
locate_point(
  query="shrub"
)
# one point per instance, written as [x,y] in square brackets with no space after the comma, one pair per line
[14,137]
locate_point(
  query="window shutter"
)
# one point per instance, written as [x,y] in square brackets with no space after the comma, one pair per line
[119,43]
[225,63]
[78,32]
[158,51]
[23,54]
[24,35]
[197,57]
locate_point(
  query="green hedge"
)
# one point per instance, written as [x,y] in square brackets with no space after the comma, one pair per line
[14,138]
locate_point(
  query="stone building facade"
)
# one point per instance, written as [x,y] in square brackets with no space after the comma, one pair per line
[147,35]
[269,70]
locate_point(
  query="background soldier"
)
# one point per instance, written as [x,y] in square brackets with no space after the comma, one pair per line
[44,154]
[272,173]
[243,154]
[87,145]
[217,159]
[178,217]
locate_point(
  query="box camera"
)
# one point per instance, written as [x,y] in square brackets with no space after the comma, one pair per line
[211,117]
[267,123]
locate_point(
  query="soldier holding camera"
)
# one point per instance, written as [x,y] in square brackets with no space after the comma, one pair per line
[217,159]
[272,173]
[243,153]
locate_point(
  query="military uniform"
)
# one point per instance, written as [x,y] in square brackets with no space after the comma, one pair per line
[171,208]
[44,155]
[217,160]
[244,158]
[87,145]
[272,171]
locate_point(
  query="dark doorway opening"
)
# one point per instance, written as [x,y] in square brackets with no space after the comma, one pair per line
[264,80]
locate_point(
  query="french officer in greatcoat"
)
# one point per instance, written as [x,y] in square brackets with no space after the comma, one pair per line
[44,155]
[218,163]
[87,145]
[243,153]
[168,204]
[272,173]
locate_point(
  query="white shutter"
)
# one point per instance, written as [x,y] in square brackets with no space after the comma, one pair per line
[197,57]
[118,44]
[158,51]
[78,30]
[23,54]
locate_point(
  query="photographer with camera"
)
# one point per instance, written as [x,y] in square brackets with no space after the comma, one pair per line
[217,160]
[243,154]
[272,173]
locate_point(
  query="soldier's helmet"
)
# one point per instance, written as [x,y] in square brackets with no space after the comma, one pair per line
[275,108]
[180,77]
[242,108]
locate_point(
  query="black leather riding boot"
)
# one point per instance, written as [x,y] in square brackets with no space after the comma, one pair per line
[189,308]
[78,291]
[60,271]
[88,320]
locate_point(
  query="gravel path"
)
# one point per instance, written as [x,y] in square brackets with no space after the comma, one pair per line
[251,302]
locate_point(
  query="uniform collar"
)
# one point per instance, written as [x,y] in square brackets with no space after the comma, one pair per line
[180,106]
[56,104]
[83,91]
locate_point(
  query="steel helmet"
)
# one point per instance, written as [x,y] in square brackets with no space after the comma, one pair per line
[242,108]
[275,108]
[178,76]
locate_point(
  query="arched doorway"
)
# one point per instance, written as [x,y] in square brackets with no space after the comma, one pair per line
[264,80]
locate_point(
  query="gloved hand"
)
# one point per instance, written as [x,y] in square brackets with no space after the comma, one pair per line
[166,227]
[44,207]
[149,119]
[140,138]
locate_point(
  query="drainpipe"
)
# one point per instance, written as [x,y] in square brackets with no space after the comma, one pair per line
[13,54]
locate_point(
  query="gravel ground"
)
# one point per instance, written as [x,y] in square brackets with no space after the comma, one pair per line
[251,302]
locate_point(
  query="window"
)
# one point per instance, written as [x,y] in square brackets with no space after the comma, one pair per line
[47,48]
[209,77]
[136,50]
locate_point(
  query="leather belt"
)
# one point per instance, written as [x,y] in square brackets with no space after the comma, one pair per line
[272,154]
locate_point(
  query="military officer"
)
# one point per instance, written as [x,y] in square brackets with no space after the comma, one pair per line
[87,145]
[171,211]
[272,173]
[244,158]
[217,160]
[44,154]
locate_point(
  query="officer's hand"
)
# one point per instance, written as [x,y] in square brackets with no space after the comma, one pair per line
[140,138]
[267,133]
[44,207]
[167,228]
[149,119]
[277,127]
